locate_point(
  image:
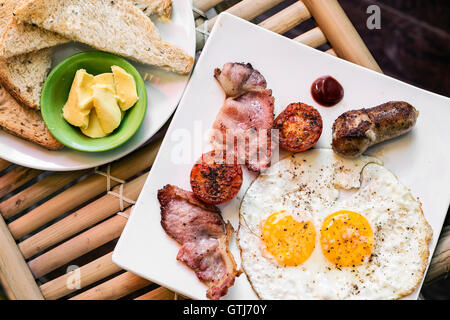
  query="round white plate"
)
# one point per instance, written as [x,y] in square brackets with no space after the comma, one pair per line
[164,91]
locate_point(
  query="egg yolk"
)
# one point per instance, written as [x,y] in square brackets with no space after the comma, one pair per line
[346,238]
[289,241]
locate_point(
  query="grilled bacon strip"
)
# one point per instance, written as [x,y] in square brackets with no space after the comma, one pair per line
[238,78]
[244,123]
[203,236]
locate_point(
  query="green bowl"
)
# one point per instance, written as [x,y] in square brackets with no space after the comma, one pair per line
[56,91]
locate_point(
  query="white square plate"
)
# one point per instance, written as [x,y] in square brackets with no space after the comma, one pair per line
[420,159]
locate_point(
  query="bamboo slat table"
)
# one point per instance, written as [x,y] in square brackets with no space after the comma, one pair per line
[58,230]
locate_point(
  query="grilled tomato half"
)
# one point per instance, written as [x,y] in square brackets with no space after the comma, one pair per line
[216,179]
[299,126]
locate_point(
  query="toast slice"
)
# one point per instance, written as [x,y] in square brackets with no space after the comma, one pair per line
[24,122]
[162,8]
[20,38]
[115,26]
[6,8]
[24,75]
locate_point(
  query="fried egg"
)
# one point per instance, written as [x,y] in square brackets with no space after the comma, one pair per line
[318,226]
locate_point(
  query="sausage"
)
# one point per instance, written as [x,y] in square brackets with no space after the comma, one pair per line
[356,130]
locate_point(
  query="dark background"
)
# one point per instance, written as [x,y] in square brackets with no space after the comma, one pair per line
[413,44]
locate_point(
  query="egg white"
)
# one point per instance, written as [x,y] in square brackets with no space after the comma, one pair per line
[313,185]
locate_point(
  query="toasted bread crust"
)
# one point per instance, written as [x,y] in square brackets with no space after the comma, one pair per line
[26,38]
[11,87]
[165,8]
[13,90]
[160,7]
[134,28]
[23,76]
[24,122]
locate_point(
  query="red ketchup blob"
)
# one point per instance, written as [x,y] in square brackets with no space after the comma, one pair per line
[327,91]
